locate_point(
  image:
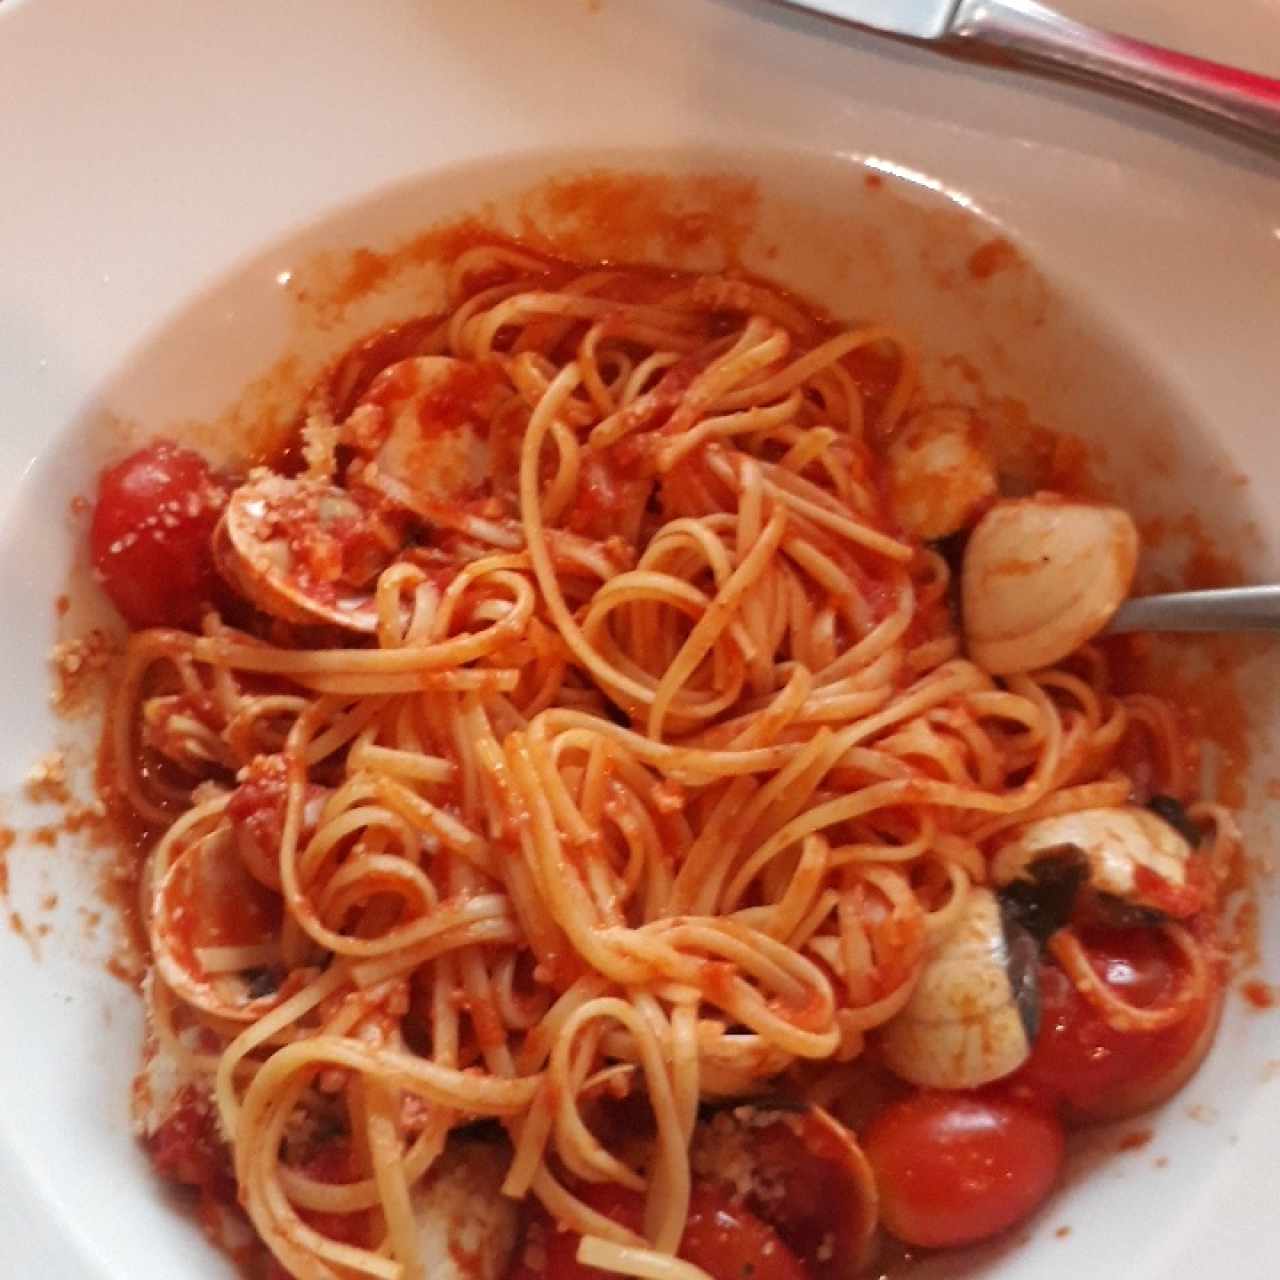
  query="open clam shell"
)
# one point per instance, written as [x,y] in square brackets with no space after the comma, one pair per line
[804,1173]
[1041,577]
[421,432]
[304,551]
[1132,855]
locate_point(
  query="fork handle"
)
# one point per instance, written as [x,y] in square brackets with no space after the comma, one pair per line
[1217,94]
[1224,609]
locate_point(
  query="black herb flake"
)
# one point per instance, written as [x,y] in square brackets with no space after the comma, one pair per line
[261,982]
[1043,902]
[1022,963]
[1175,815]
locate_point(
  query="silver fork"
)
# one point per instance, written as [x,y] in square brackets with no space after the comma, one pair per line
[1228,609]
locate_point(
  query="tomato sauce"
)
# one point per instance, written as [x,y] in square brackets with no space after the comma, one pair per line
[1135,1140]
[8,837]
[448,403]
[1176,901]
[187,1149]
[1200,676]
[729,1241]
[349,379]
[334,1162]
[613,491]
[454,401]
[1260,995]
[722,1237]
[643,216]
[119,840]
[994,256]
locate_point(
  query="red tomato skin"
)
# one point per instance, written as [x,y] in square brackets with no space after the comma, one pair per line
[1079,1061]
[727,1241]
[814,1198]
[956,1168]
[150,539]
[730,1243]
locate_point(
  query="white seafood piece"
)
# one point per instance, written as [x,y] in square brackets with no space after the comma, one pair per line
[163,1076]
[973,1013]
[1132,854]
[422,431]
[466,1227]
[1041,577]
[168,1079]
[753,1150]
[940,473]
[303,551]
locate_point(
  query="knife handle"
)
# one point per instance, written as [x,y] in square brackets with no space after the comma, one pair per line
[1215,93]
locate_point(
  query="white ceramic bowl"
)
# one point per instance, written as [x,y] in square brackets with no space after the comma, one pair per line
[172,175]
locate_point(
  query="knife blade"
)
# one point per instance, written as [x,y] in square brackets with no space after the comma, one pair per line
[920,19]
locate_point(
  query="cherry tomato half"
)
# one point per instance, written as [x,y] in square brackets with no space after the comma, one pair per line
[1101,1073]
[954,1168]
[151,533]
[727,1241]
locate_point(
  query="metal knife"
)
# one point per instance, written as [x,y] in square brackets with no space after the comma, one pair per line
[1035,34]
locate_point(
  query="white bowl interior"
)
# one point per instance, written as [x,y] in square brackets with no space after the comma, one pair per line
[868,243]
